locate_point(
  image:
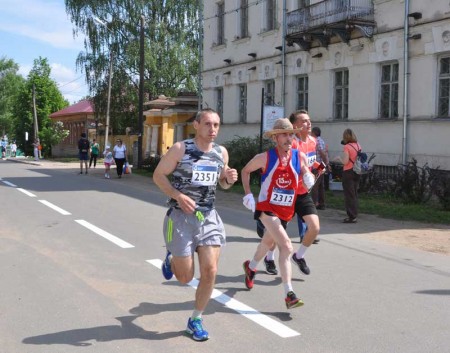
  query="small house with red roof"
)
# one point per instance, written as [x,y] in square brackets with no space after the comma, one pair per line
[77,118]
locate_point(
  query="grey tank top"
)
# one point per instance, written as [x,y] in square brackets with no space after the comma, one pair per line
[197,174]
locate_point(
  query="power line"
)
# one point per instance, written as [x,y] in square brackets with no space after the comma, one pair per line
[65,84]
[254,3]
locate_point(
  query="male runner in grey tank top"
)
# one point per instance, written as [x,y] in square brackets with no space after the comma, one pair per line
[192,224]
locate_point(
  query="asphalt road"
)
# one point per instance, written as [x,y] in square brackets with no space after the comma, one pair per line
[79,272]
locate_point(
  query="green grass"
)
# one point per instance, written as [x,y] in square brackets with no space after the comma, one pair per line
[65,159]
[382,206]
[387,207]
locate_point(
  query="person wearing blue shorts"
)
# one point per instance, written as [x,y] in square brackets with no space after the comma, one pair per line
[192,223]
[83,152]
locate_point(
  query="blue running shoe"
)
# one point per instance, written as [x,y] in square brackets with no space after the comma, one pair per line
[195,328]
[166,270]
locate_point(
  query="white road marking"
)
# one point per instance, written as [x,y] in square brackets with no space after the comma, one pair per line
[54,207]
[8,183]
[112,238]
[26,192]
[250,313]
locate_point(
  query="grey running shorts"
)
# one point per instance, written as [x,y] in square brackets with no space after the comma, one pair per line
[183,233]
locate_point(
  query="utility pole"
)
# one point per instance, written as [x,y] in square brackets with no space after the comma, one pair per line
[36,127]
[109,98]
[141,92]
[108,104]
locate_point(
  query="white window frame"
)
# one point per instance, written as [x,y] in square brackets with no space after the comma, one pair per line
[242,103]
[219,102]
[220,39]
[269,15]
[443,98]
[269,92]
[340,108]
[301,90]
[392,87]
[243,19]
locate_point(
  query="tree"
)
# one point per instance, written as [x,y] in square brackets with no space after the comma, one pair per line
[48,100]
[54,133]
[10,85]
[171,51]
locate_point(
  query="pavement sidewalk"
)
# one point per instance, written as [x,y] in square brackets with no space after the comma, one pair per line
[425,237]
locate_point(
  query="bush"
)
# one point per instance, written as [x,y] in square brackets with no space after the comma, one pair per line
[412,183]
[150,163]
[242,149]
[442,189]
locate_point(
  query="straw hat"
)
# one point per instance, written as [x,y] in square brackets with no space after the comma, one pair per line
[281,126]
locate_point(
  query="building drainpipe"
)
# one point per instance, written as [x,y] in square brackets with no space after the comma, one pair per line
[200,56]
[405,82]
[283,57]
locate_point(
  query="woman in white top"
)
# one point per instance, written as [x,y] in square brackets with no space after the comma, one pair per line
[120,156]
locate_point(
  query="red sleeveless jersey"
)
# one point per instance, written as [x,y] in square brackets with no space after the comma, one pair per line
[279,184]
[309,149]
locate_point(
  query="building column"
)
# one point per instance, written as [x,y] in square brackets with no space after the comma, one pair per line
[154,140]
[148,139]
[179,129]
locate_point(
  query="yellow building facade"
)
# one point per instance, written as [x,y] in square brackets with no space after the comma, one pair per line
[168,120]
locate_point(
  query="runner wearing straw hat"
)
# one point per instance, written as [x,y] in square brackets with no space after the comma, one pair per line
[281,169]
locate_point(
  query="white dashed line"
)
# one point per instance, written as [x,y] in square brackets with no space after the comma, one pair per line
[8,183]
[112,238]
[250,313]
[54,207]
[26,192]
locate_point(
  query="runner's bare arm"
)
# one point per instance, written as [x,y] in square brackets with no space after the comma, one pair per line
[257,162]
[165,167]
[228,176]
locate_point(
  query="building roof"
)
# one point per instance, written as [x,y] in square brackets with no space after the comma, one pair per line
[82,107]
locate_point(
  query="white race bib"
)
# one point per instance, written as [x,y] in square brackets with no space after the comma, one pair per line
[282,197]
[204,174]
[311,158]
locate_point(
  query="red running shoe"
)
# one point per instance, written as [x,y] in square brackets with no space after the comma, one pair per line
[249,275]
[292,301]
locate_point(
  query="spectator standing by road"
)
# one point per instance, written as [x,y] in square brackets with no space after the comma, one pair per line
[192,223]
[120,156]
[318,191]
[350,180]
[94,153]
[35,145]
[83,151]
[13,147]
[108,161]
[4,143]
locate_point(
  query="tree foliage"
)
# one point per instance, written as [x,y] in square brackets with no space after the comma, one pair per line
[170,59]
[54,133]
[10,84]
[48,100]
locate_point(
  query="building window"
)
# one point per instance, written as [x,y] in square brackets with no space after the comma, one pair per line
[302,92]
[302,3]
[269,92]
[219,103]
[243,20]
[270,15]
[389,91]
[243,104]
[444,87]
[341,94]
[221,23]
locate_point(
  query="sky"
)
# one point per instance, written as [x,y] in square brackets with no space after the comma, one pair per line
[30,29]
